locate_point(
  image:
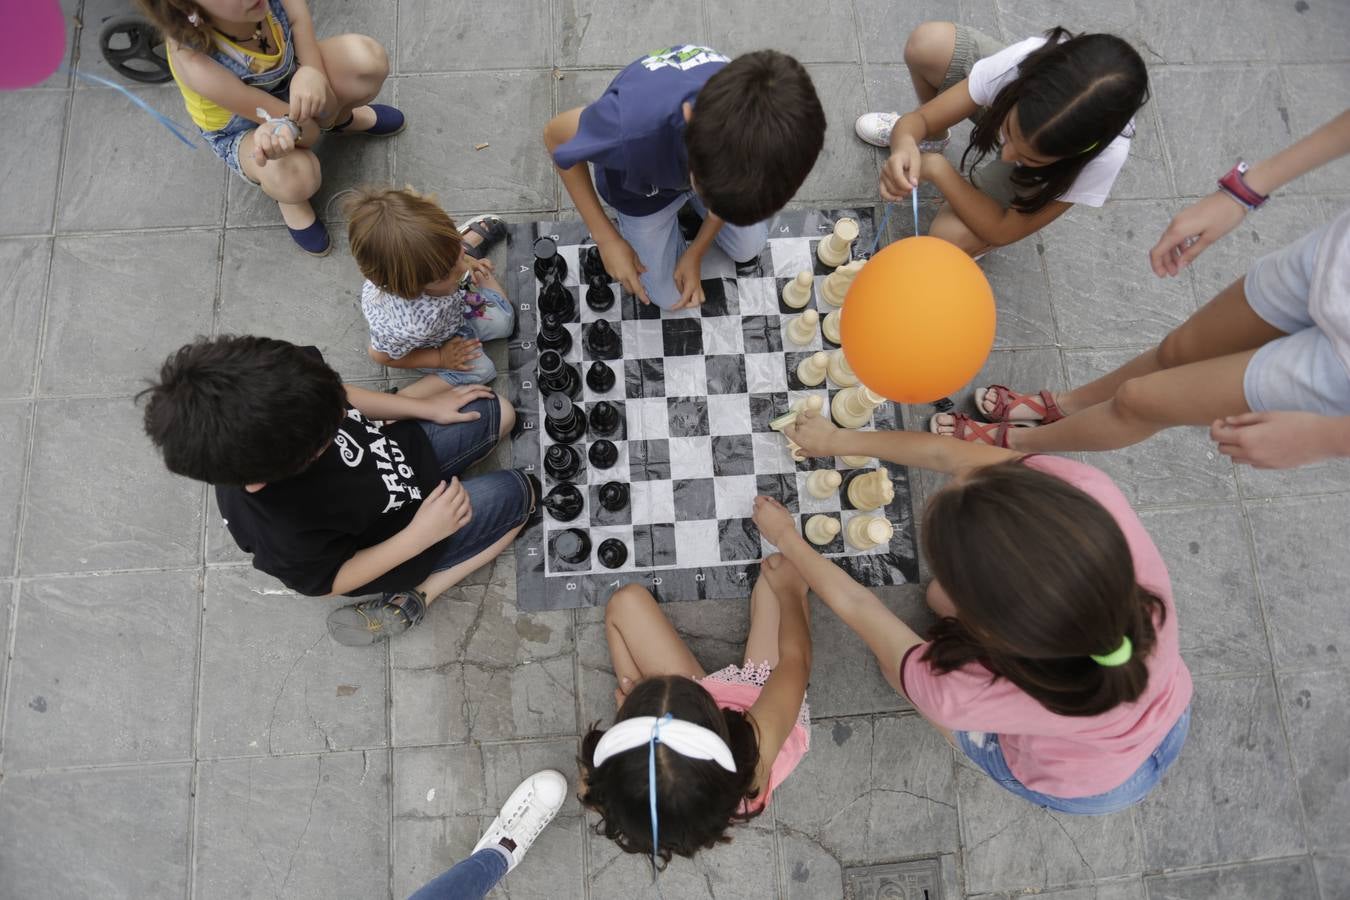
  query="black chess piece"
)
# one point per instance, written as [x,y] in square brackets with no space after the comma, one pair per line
[562,462]
[602,341]
[612,553]
[556,376]
[600,377]
[599,295]
[593,264]
[564,420]
[613,495]
[571,545]
[554,299]
[553,336]
[604,419]
[603,454]
[548,265]
[564,502]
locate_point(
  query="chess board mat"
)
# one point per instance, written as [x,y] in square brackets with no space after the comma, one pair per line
[696,390]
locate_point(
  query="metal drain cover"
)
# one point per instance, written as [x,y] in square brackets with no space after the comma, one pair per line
[916,879]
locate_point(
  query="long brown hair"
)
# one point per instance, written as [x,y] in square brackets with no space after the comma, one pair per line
[1042,578]
[171,18]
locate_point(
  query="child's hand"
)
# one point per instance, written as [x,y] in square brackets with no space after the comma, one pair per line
[272,140]
[622,263]
[479,269]
[900,174]
[773,520]
[458,353]
[446,407]
[1192,230]
[689,280]
[814,433]
[309,92]
[443,512]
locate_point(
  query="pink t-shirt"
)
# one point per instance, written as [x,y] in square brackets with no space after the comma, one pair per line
[1068,756]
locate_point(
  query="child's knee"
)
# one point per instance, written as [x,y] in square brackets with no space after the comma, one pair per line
[292,179]
[1134,400]
[623,601]
[369,58]
[930,44]
[508,417]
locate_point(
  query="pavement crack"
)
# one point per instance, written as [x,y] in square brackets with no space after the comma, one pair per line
[276,701]
[309,817]
[1074,844]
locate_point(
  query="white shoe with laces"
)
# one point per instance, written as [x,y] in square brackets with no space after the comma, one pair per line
[876,127]
[531,806]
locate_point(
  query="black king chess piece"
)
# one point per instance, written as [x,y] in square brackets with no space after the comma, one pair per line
[553,336]
[564,420]
[612,553]
[564,502]
[613,495]
[604,419]
[572,546]
[603,454]
[602,341]
[548,265]
[600,377]
[562,462]
[556,376]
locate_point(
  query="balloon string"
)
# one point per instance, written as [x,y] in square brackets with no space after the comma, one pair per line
[886,216]
[174,128]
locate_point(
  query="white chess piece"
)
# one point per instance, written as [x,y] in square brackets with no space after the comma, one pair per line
[836,248]
[871,491]
[829,326]
[803,328]
[820,530]
[840,372]
[823,483]
[837,283]
[852,407]
[811,371]
[797,292]
[856,462]
[866,532]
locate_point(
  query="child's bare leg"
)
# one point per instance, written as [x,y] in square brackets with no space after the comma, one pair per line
[642,642]
[426,386]
[290,181]
[761,644]
[948,226]
[357,67]
[440,582]
[928,53]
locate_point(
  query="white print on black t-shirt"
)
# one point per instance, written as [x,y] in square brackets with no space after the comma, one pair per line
[351,451]
[389,460]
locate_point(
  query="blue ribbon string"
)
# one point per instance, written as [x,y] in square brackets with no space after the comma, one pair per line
[175,129]
[886,216]
[651,782]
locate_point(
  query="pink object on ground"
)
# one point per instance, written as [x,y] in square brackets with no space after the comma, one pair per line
[32,43]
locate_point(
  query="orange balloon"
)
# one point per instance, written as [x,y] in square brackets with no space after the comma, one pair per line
[918,320]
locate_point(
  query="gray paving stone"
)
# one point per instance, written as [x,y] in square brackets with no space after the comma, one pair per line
[125,512]
[15,419]
[1315,709]
[272,680]
[260,271]
[106,833]
[575,88]
[796,27]
[298,826]
[1333,873]
[25,262]
[444,798]
[809,872]
[872,789]
[1207,31]
[122,170]
[1318,30]
[1243,105]
[511,174]
[1022,295]
[477,669]
[1302,576]
[1316,95]
[75,701]
[9,594]
[1122,889]
[1026,18]
[442,37]
[1230,795]
[1214,584]
[28,178]
[883,27]
[846,167]
[1103,291]
[1253,881]
[606,33]
[1176,465]
[1145,174]
[120,303]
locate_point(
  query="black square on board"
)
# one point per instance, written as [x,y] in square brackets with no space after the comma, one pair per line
[782,488]
[649,460]
[762,334]
[654,545]
[733,454]
[694,499]
[644,378]
[738,539]
[726,374]
[720,298]
[834,546]
[632,308]
[682,337]
[687,416]
[764,408]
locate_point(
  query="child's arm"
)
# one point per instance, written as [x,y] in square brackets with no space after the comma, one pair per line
[900,174]
[981,213]
[818,436]
[443,512]
[689,268]
[778,706]
[885,635]
[620,260]
[456,354]
[444,408]
[309,85]
[1282,439]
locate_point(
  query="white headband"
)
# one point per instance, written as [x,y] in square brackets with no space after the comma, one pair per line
[685,738]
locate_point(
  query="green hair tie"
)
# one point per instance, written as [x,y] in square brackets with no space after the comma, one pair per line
[1119,657]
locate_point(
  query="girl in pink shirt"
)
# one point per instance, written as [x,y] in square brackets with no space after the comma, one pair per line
[691,754]
[1055,663]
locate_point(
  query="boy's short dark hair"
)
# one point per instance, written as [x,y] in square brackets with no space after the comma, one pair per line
[237,410]
[756,131]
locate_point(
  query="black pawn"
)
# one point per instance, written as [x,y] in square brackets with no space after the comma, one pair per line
[553,336]
[572,546]
[604,419]
[599,295]
[602,341]
[548,265]
[603,454]
[556,376]
[593,264]
[554,299]
[612,553]
[563,419]
[561,462]
[600,377]
[563,502]
[613,495]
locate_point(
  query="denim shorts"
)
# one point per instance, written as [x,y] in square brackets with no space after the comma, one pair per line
[1300,371]
[497,320]
[989,757]
[500,500]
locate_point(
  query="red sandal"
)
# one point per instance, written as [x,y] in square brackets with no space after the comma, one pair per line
[967,428]
[1042,403]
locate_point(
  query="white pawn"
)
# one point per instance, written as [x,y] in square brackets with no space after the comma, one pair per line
[820,530]
[840,372]
[837,283]
[852,407]
[822,483]
[871,491]
[829,326]
[856,462]
[836,248]
[797,292]
[803,328]
[812,370]
[866,532]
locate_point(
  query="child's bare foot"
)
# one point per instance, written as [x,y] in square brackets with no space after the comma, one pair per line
[783,576]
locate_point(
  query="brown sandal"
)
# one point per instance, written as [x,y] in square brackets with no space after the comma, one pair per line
[1042,403]
[972,430]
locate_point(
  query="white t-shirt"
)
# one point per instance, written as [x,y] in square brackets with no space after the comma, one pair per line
[1329,287]
[1093,184]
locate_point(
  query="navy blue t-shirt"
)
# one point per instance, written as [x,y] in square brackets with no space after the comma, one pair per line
[634,134]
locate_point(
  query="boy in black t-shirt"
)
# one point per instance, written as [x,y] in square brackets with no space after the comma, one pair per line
[733,138]
[336,489]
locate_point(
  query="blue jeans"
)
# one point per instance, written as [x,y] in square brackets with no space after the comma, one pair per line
[658,243]
[468,879]
[989,757]
[497,320]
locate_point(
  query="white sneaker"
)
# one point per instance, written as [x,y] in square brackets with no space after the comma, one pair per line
[530,807]
[875,128]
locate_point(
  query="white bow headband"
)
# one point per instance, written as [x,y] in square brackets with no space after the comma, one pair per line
[685,738]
